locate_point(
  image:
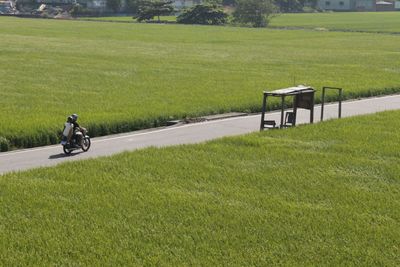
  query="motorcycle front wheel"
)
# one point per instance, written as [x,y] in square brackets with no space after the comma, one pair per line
[86,144]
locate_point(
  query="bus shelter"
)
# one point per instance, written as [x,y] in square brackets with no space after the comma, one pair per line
[303,97]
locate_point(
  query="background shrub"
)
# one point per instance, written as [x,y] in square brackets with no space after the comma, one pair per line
[203,14]
[254,12]
[4,144]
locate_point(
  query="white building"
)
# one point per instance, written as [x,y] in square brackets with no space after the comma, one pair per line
[347,5]
[100,5]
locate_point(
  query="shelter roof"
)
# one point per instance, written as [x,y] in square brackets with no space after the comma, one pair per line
[296,90]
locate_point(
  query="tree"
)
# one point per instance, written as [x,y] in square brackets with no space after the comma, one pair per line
[254,12]
[115,5]
[203,14]
[133,6]
[229,2]
[149,9]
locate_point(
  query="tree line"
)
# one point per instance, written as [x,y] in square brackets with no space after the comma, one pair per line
[255,13]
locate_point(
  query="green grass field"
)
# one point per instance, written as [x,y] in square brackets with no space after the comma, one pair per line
[326,194]
[120,77]
[386,22]
[125,18]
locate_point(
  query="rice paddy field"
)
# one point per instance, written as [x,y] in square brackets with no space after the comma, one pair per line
[120,77]
[310,195]
[125,18]
[384,22]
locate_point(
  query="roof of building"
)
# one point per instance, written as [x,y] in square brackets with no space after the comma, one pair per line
[384,3]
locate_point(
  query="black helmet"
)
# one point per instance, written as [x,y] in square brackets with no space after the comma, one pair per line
[74,117]
[70,119]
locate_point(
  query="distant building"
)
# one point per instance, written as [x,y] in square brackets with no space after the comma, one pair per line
[347,5]
[341,5]
[365,5]
[101,5]
[359,5]
[385,6]
[95,6]
[7,7]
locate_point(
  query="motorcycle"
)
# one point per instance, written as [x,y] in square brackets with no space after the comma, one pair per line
[74,144]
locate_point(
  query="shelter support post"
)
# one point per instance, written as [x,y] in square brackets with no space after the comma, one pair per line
[295,109]
[264,109]
[282,110]
[340,90]
[340,102]
[322,103]
[312,109]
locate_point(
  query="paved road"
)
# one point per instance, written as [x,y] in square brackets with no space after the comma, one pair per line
[185,134]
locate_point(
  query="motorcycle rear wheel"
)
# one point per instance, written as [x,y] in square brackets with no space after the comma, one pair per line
[67,151]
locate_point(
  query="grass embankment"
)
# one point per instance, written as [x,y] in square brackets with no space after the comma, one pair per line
[385,22]
[120,77]
[322,194]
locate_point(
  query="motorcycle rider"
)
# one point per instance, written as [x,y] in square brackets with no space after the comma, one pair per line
[68,131]
[74,118]
[77,128]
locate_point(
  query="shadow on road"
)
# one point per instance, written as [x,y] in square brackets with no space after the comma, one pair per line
[63,155]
